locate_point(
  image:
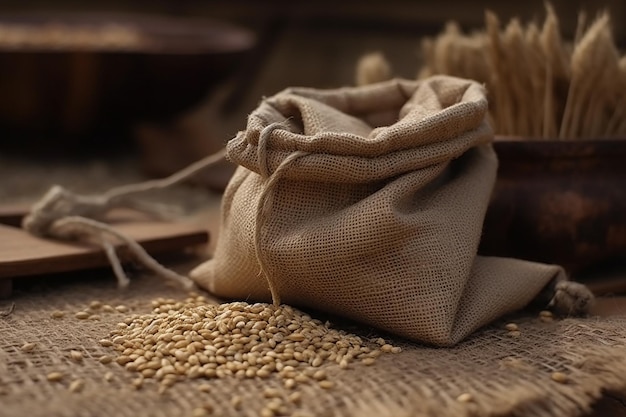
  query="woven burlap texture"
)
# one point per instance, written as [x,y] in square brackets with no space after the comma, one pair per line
[505,375]
[368,202]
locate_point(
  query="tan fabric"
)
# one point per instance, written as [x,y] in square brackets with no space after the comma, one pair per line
[368,202]
[505,375]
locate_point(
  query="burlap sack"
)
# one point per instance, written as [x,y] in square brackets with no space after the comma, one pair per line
[368,202]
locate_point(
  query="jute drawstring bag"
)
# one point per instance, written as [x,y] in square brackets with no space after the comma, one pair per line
[368,202]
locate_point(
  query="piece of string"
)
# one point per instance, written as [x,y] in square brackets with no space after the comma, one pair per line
[62,214]
[8,312]
[266,197]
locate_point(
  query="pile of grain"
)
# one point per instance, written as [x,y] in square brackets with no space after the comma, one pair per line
[194,339]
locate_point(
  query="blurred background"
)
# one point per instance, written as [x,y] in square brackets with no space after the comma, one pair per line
[172,81]
[101,93]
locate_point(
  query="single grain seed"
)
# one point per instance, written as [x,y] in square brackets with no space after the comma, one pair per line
[122,360]
[466,397]
[236,402]
[301,378]
[295,397]
[326,384]
[319,375]
[148,373]
[275,405]
[95,305]
[105,359]
[546,313]
[271,393]
[108,377]
[82,315]
[77,385]
[206,388]
[105,343]
[560,377]
[302,413]
[266,412]
[137,383]
[121,309]
[55,376]
[76,355]
[514,333]
[263,373]
[511,327]
[199,412]
[28,347]
[57,314]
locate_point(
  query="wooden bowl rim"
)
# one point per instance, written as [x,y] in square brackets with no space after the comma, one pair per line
[165,35]
[520,148]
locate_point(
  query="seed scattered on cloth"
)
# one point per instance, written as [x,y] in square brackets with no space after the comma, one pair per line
[138,383]
[466,397]
[28,347]
[82,315]
[57,314]
[54,376]
[105,359]
[76,355]
[560,377]
[206,388]
[105,343]
[108,309]
[192,339]
[236,402]
[201,412]
[77,385]
[511,327]
[326,384]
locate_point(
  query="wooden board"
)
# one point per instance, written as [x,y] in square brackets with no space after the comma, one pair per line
[22,254]
[11,214]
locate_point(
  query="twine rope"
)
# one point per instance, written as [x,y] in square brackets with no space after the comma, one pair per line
[266,199]
[62,214]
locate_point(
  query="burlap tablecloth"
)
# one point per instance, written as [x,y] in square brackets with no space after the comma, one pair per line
[504,374]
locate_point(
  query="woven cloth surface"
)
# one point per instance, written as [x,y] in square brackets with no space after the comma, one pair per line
[503,374]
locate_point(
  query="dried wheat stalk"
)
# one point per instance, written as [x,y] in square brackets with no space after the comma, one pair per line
[540,86]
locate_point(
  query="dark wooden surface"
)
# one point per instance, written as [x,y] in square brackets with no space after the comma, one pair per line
[22,254]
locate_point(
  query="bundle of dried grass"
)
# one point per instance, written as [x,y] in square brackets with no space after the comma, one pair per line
[540,85]
[372,68]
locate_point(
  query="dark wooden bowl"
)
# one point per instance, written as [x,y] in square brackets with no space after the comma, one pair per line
[561,202]
[82,75]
